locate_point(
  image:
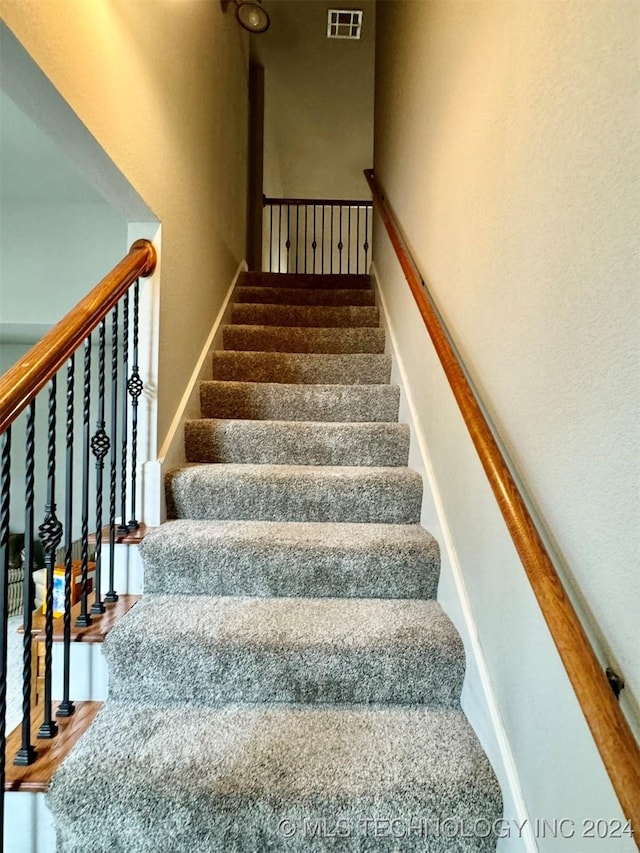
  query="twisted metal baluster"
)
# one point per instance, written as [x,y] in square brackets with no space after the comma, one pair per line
[288,243]
[50,535]
[322,255]
[99,447]
[122,527]
[349,241]
[27,752]
[314,245]
[111,594]
[340,244]
[5,502]
[66,707]
[84,619]
[306,221]
[135,387]
[357,240]
[297,235]
[331,243]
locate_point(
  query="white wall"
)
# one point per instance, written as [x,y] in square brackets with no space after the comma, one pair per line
[318,102]
[507,143]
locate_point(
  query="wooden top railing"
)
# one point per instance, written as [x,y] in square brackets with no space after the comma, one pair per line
[609,728]
[20,384]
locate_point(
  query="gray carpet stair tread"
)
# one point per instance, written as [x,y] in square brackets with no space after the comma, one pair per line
[280,401]
[203,650]
[222,780]
[296,442]
[340,281]
[295,493]
[320,316]
[285,339]
[304,296]
[268,558]
[305,368]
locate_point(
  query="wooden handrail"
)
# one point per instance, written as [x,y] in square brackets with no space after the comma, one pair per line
[319,202]
[30,374]
[609,728]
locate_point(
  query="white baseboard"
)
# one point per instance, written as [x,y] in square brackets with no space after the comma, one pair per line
[172,453]
[478,699]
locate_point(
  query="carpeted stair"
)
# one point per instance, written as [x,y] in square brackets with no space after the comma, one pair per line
[288,677]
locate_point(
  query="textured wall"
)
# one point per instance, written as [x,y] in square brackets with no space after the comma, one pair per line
[318,102]
[507,142]
[162,86]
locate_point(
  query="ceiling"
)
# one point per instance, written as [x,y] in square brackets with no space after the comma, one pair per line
[33,168]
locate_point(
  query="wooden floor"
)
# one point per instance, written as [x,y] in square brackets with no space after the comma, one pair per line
[50,753]
[132,537]
[100,626]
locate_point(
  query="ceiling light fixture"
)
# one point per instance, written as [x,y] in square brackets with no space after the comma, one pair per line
[250,16]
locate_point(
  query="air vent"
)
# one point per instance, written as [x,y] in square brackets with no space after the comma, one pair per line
[344,24]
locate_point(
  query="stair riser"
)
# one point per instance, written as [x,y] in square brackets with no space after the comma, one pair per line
[301,368]
[287,561]
[282,339]
[304,296]
[263,401]
[209,492]
[306,280]
[301,316]
[283,443]
[305,676]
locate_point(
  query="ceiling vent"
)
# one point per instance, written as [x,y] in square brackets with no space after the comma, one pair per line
[344,24]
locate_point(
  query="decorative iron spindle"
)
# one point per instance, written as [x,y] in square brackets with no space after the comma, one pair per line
[322,256]
[111,594]
[5,504]
[331,243]
[99,447]
[27,752]
[279,238]
[357,239]
[50,535]
[340,245]
[122,527]
[306,218]
[66,707]
[271,237]
[314,245]
[84,619]
[349,240]
[297,236]
[135,388]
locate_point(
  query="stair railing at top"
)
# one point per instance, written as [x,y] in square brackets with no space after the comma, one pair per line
[109,392]
[314,235]
[609,728]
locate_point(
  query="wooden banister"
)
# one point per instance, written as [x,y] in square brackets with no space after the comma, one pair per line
[318,202]
[610,730]
[30,374]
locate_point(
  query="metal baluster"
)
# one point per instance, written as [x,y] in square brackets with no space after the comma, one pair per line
[5,503]
[314,245]
[84,619]
[306,217]
[27,752]
[366,236]
[358,240]
[122,527]
[288,243]
[111,594]
[66,707]
[322,255]
[279,237]
[270,238]
[331,244]
[340,243]
[349,241]
[50,536]
[297,235]
[135,387]
[99,447]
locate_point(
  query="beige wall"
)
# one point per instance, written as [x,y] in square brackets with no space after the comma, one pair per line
[162,86]
[318,101]
[507,142]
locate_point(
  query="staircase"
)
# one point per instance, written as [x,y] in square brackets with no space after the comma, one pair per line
[288,681]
